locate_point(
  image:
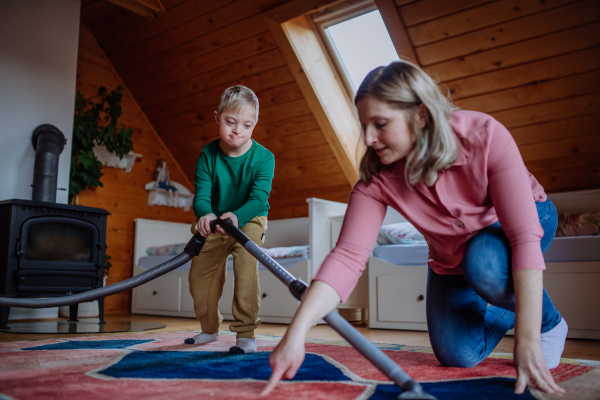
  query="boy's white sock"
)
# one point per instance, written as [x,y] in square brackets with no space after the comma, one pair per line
[243,346]
[553,343]
[203,338]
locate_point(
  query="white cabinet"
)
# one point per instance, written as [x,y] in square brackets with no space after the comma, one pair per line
[158,294]
[574,290]
[397,296]
[167,295]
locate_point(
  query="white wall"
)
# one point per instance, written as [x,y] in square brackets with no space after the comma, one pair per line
[38,67]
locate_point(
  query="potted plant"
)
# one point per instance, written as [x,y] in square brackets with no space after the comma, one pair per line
[96,123]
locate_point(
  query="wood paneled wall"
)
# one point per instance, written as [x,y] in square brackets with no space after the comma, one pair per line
[123,194]
[177,65]
[532,64]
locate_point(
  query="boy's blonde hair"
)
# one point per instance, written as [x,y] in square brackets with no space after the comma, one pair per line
[405,86]
[236,97]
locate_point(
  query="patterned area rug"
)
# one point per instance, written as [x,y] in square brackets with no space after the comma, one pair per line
[159,366]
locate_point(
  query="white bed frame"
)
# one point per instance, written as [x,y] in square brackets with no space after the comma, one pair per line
[169,295]
[397,293]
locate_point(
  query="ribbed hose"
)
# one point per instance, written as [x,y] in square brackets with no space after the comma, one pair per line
[191,249]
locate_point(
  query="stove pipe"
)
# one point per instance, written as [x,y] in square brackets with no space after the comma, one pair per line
[48,142]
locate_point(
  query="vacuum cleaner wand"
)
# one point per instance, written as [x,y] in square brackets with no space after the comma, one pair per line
[410,388]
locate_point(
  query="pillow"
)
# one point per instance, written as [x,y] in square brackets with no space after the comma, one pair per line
[400,233]
[287,252]
[167,250]
[574,224]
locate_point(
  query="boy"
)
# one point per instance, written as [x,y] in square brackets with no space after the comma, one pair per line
[233,180]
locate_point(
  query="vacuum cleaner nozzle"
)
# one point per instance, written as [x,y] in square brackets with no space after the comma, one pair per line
[414,391]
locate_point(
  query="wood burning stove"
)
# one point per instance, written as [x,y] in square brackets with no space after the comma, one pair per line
[49,250]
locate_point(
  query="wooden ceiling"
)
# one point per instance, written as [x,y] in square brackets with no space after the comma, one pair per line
[177,64]
[531,64]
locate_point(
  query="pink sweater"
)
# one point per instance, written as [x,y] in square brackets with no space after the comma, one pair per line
[487,183]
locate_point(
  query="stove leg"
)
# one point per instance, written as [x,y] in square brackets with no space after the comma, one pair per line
[101,310]
[73,313]
[4,312]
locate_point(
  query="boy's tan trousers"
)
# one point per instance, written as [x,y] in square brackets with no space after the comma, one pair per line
[207,280]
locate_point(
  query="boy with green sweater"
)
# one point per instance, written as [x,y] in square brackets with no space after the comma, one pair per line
[233,180]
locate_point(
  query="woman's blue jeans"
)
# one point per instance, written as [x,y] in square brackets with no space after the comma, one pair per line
[468,314]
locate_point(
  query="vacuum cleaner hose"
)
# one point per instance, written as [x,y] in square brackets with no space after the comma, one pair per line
[191,249]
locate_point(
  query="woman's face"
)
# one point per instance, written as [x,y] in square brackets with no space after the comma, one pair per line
[386,129]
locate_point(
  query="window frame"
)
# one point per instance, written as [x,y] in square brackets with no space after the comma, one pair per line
[332,16]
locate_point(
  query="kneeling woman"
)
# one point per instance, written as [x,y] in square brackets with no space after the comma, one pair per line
[458,177]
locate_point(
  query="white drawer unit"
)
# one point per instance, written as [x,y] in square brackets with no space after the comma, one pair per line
[158,294]
[397,296]
[574,290]
[167,295]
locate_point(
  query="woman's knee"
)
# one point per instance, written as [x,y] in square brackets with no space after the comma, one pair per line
[486,267]
[492,288]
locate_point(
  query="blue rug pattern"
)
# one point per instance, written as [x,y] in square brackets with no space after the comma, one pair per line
[215,365]
[219,365]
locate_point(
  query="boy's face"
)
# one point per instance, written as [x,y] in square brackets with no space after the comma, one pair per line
[235,129]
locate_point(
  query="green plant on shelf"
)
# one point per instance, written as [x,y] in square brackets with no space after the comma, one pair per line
[96,123]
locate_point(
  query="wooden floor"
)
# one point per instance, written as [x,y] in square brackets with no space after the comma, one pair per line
[574,348]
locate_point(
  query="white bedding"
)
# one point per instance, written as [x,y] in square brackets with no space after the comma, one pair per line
[562,249]
[149,262]
[403,254]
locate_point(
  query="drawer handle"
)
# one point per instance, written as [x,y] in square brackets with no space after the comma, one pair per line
[154,293]
[420,298]
[264,295]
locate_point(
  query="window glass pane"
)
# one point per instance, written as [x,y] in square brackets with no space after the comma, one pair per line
[362,43]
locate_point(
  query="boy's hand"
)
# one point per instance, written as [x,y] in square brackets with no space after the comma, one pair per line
[233,219]
[203,224]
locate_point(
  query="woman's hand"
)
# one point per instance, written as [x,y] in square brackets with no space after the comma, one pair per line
[203,224]
[531,368]
[529,357]
[285,360]
[288,356]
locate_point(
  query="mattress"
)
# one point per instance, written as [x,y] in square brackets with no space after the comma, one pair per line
[149,262]
[562,249]
[403,254]
[573,249]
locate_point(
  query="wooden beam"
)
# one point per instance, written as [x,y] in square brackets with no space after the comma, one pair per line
[322,89]
[145,8]
[154,5]
[296,8]
[395,27]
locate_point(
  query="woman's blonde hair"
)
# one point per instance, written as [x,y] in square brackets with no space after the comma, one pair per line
[405,86]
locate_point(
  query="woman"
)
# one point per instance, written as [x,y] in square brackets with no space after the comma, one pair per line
[458,177]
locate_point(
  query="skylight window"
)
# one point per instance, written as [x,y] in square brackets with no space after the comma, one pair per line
[361,44]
